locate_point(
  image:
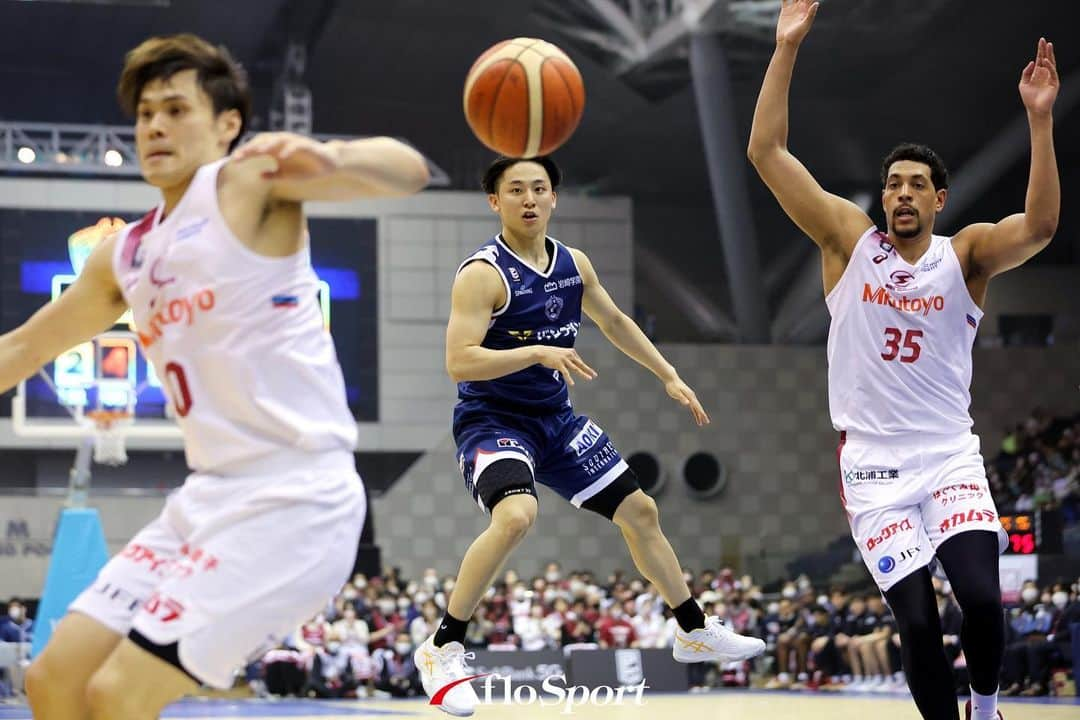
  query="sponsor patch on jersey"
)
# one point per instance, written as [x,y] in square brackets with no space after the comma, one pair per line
[971,322]
[514,274]
[586,439]
[191,229]
[284,301]
[917,305]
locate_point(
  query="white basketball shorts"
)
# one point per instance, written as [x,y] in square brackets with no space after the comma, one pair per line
[234,564]
[906,496]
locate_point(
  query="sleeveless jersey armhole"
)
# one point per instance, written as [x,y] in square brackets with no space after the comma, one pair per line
[847,270]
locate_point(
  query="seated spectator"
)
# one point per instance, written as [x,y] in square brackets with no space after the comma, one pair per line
[396,671]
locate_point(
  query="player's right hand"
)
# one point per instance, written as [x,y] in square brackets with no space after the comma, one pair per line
[566,362]
[796,17]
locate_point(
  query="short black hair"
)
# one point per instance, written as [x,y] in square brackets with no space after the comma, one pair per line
[490,182]
[939,174]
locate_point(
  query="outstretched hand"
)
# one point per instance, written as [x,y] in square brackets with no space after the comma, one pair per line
[298,157]
[1039,82]
[681,392]
[796,17]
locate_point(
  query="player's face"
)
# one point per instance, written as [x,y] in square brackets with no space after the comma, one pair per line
[909,199]
[524,199]
[176,130]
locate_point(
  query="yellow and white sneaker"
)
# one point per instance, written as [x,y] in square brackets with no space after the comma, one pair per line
[442,670]
[714,643]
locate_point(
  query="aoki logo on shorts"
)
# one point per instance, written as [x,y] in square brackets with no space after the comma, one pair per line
[586,439]
[891,530]
[553,692]
[960,518]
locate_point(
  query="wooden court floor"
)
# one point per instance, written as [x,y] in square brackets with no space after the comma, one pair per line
[717,705]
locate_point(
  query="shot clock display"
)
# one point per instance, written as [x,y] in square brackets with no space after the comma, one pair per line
[1033,533]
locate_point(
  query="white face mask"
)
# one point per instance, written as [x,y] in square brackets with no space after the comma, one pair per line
[15,614]
[822,600]
[773,608]
[403,649]
[789,592]
[1029,595]
[1060,599]
[403,604]
[552,576]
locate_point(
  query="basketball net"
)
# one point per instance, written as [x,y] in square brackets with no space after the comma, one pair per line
[108,432]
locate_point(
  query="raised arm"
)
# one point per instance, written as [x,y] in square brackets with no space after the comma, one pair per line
[89,307]
[625,334]
[479,290]
[995,248]
[832,222]
[298,168]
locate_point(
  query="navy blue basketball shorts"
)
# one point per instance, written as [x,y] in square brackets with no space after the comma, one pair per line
[569,453]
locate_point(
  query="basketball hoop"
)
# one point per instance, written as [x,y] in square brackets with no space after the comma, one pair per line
[108,428]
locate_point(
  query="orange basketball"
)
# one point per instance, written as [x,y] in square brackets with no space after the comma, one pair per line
[523,97]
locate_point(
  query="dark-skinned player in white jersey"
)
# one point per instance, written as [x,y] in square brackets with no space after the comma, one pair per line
[905,305]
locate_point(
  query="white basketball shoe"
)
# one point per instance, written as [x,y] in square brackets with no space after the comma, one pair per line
[440,669]
[714,643]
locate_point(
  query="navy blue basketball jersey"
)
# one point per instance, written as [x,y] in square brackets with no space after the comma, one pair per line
[542,308]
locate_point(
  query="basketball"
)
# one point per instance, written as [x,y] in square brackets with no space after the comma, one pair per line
[523,97]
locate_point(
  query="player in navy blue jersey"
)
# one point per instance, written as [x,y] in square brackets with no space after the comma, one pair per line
[516,312]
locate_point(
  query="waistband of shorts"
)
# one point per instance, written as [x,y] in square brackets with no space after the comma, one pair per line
[283,461]
[914,439]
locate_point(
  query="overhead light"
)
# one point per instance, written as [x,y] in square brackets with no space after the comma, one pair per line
[113,158]
[26,155]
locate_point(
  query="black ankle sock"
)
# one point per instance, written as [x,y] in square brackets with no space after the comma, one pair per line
[450,630]
[689,615]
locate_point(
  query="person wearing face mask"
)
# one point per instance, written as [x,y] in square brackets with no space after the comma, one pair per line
[1056,649]
[1028,624]
[15,626]
[397,670]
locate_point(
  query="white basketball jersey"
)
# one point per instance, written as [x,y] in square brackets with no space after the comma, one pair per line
[900,341]
[236,338]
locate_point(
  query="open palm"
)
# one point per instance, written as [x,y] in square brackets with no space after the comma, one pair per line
[796,17]
[1039,82]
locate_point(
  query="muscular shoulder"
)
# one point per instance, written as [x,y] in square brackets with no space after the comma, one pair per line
[964,243]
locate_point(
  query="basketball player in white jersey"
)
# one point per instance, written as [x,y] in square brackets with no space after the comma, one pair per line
[905,305]
[224,297]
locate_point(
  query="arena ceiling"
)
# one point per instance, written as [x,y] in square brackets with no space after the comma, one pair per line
[871,74]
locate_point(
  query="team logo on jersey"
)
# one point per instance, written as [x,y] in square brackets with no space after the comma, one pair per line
[514,274]
[551,286]
[586,439]
[521,335]
[157,277]
[553,307]
[918,305]
[902,281]
[508,443]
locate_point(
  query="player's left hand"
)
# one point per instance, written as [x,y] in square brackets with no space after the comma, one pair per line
[1039,82]
[298,157]
[681,391]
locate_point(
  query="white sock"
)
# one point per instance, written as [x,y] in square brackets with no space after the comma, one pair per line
[983,707]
